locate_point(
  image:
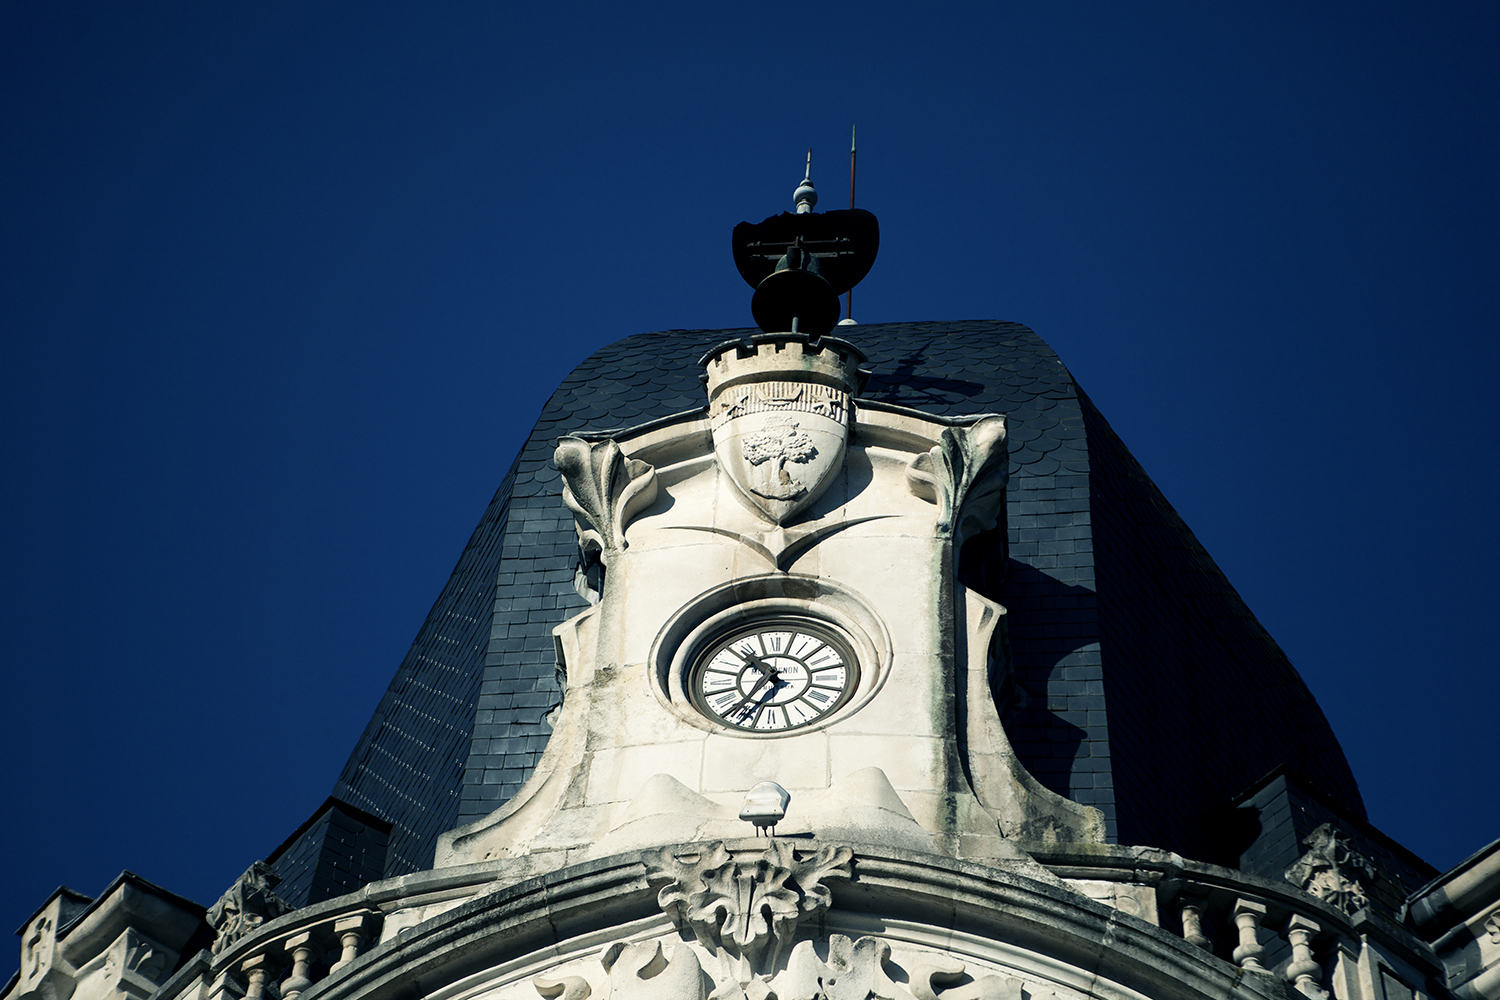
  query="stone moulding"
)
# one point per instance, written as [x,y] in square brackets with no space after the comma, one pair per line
[900,925]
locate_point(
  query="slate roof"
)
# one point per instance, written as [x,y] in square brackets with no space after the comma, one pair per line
[1150,690]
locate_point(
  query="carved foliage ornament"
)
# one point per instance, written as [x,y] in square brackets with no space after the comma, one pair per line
[604,489]
[965,476]
[745,911]
[247,904]
[1332,871]
[853,970]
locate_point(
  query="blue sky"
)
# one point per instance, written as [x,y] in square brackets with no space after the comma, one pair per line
[283,287]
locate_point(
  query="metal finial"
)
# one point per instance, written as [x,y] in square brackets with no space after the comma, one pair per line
[805,197]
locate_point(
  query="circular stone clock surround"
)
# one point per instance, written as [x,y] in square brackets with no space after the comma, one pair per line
[748,604]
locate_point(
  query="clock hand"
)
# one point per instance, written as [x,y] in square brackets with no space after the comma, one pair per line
[765,702]
[761,665]
[767,673]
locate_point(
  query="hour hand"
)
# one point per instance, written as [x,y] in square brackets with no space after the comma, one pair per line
[765,668]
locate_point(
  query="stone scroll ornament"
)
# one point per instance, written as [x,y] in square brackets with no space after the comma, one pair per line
[965,476]
[1332,870]
[247,904]
[605,490]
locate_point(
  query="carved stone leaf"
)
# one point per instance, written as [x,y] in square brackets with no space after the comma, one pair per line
[679,878]
[604,489]
[749,904]
[829,862]
[642,972]
[566,988]
[965,476]
[854,971]
[940,977]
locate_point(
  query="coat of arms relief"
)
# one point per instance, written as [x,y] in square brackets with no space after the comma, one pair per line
[780,442]
[780,415]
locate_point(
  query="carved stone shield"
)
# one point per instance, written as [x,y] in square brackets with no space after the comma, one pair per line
[781,442]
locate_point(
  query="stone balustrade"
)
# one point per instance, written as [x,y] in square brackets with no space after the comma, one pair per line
[1264,927]
[282,958]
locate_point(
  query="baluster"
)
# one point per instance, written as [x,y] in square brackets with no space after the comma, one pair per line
[1247,917]
[1192,926]
[1303,970]
[351,932]
[300,945]
[256,969]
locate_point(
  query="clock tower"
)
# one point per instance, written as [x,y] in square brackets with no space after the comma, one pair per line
[778,601]
[778,597]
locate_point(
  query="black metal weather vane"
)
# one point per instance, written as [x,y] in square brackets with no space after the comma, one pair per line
[800,262]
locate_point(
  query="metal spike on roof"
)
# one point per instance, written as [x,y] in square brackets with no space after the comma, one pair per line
[805,197]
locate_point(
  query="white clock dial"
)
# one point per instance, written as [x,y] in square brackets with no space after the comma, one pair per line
[774,676]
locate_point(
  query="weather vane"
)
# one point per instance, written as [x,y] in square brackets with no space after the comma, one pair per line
[800,262]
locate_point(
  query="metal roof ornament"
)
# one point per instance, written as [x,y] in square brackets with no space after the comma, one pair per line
[799,263]
[805,198]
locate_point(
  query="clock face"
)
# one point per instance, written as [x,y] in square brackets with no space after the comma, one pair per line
[774,676]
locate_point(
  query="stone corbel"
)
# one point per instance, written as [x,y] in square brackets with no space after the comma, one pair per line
[132,966]
[965,476]
[604,490]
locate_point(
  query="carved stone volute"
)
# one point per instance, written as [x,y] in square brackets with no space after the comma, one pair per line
[604,490]
[965,475]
